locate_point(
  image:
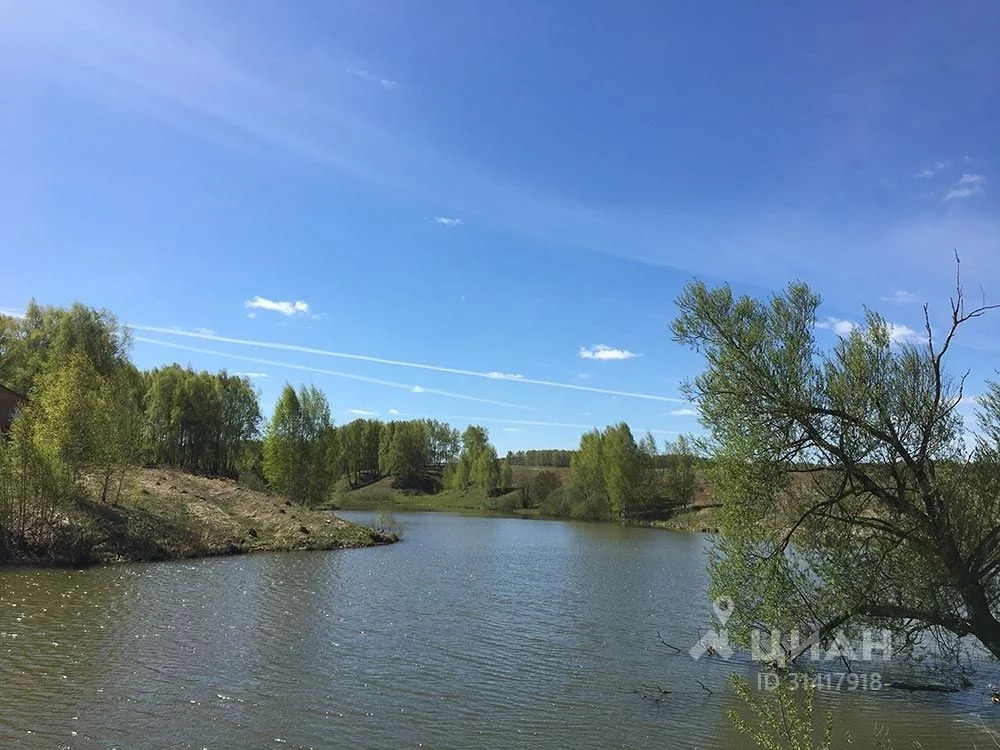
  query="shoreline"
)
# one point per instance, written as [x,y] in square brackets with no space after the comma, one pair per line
[178,516]
[699,518]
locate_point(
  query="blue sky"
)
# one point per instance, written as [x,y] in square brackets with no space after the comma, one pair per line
[498,188]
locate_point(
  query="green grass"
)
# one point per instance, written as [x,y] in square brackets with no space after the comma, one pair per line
[696,517]
[382,494]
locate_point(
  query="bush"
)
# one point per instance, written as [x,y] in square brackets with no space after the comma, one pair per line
[508,502]
[557,503]
[387,523]
[542,485]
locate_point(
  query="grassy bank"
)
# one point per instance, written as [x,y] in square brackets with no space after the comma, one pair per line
[173,515]
[700,515]
[383,494]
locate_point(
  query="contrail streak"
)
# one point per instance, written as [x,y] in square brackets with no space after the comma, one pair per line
[527,422]
[334,373]
[399,363]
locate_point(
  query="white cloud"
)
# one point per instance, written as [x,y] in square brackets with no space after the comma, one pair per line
[209,331]
[898,332]
[966,185]
[600,351]
[504,375]
[279,306]
[447,221]
[683,413]
[968,401]
[901,297]
[363,412]
[416,389]
[511,429]
[934,168]
[394,412]
[839,326]
[251,375]
[366,75]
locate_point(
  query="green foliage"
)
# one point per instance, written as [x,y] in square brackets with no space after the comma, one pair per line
[47,337]
[610,476]
[850,496]
[405,451]
[557,503]
[443,443]
[298,445]
[386,523]
[284,444]
[506,475]
[505,502]
[477,464]
[199,421]
[67,425]
[88,424]
[486,470]
[118,432]
[30,486]
[541,485]
[680,480]
[555,458]
[586,486]
[82,421]
[359,446]
[781,719]
[456,475]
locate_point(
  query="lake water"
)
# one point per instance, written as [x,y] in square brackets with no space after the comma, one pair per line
[472,632]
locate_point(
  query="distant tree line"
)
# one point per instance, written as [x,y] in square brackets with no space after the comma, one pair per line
[301,441]
[612,476]
[562,458]
[553,458]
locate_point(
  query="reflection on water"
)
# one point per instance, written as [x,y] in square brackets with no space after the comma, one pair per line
[471,632]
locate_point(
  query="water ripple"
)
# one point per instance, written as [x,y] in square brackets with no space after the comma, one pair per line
[485,632]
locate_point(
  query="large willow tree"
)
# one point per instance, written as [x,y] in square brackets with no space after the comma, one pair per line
[853,495]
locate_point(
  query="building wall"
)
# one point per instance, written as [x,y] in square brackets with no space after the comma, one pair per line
[9,402]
